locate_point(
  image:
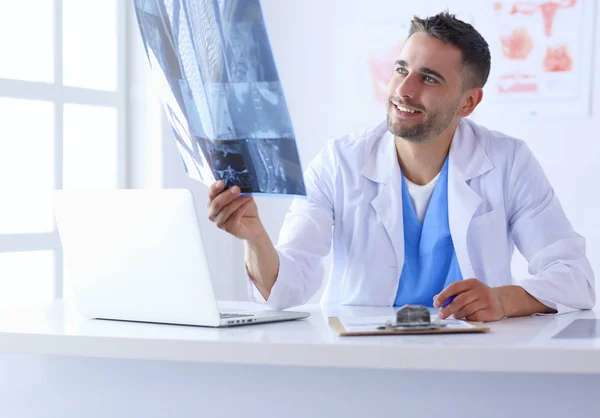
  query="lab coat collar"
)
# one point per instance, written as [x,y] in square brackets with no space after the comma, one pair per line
[467,160]
[382,168]
[380,148]
[467,155]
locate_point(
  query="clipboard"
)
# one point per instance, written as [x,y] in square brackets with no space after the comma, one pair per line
[338,327]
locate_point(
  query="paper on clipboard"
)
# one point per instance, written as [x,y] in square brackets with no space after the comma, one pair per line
[371,323]
[363,326]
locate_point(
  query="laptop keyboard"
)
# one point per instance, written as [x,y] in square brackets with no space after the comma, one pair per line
[233,315]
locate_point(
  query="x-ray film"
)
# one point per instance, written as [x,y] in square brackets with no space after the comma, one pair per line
[221,92]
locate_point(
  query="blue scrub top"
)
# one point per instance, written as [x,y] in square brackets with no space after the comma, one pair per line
[429,259]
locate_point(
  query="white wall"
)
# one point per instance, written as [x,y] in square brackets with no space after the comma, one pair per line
[317,69]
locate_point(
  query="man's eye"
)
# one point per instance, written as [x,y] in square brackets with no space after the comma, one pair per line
[429,79]
[401,70]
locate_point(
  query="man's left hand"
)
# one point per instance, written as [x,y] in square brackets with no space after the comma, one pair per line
[474,301]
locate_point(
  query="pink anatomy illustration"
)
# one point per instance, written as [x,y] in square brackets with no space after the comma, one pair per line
[544,53]
[558,59]
[517,83]
[517,45]
[547,9]
[381,66]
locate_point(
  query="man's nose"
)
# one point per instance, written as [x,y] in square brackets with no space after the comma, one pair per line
[408,87]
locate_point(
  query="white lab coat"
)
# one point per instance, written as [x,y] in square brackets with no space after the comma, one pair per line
[498,197]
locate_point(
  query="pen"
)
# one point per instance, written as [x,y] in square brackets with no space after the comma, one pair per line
[448,301]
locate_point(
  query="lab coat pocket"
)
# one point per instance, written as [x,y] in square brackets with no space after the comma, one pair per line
[488,243]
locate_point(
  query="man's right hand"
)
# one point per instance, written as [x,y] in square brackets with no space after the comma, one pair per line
[238,215]
[235,214]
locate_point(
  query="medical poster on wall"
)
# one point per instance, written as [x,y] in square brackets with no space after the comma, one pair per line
[221,92]
[541,55]
[368,40]
[368,51]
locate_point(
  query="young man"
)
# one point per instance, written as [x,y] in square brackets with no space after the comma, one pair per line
[424,208]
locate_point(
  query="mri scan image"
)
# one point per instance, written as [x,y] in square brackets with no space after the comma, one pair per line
[221,92]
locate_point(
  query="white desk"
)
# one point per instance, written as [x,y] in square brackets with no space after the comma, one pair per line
[56,363]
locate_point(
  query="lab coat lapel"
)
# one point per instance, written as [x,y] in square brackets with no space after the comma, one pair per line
[382,168]
[467,161]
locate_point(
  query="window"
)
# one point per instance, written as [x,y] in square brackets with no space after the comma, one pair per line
[62,125]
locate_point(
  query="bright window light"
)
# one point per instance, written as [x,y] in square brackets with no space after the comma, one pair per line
[27,40]
[26,277]
[26,165]
[90,44]
[90,148]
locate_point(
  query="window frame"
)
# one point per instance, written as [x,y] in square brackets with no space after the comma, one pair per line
[59,95]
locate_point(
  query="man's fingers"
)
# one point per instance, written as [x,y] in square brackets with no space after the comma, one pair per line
[237,215]
[225,213]
[455,288]
[222,200]
[470,309]
[459,303]
[214,190]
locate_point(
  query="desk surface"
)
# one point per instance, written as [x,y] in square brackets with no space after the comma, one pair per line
[513,345]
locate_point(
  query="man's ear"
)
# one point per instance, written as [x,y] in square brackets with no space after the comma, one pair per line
[472,99]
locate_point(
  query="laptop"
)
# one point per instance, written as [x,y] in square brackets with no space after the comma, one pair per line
[138,255]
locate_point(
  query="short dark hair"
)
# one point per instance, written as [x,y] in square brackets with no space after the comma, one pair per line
[475,50]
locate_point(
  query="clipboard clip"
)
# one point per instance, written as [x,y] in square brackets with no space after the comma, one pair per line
[412,317]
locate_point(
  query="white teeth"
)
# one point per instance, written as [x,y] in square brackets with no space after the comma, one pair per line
[405,109]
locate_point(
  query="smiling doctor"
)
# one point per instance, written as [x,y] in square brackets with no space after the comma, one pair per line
[425,206]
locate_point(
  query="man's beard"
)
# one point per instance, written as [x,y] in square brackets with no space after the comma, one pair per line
[432,125]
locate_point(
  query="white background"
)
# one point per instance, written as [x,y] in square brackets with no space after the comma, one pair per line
[317,71]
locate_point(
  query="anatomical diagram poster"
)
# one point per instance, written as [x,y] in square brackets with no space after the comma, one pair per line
[219,85]
[541,55]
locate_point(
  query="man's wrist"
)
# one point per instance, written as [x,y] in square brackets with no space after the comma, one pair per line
[516,301]
[262,262]
[259,238]
[506,299]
